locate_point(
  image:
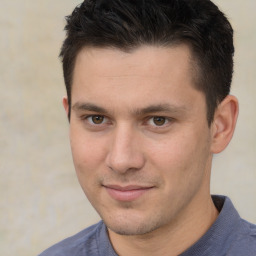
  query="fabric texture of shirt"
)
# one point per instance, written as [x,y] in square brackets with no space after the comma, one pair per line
[228,236]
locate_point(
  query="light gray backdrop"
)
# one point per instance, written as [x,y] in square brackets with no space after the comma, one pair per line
[41,201]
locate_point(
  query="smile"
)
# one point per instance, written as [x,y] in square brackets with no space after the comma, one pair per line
[127,193]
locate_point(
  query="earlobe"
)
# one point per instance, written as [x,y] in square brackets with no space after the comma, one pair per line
[224,123]
[65,105]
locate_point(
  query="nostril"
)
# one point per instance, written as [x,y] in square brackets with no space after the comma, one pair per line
[122,165]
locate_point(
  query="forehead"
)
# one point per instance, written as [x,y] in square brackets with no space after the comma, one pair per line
[150,59]
[142,77]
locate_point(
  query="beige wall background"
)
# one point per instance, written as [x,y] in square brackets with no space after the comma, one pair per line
[40,199]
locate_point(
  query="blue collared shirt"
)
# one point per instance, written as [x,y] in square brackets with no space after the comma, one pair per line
[228,236]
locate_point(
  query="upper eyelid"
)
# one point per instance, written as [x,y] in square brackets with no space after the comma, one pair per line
[83,117]
[144,119]
[168,119]
[162,116]
[92,114]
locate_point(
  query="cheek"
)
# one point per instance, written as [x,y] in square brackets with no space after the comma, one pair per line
[181,155]
[172,151]
[88,158]
[87,152]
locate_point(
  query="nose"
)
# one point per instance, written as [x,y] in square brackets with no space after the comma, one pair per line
[125,151]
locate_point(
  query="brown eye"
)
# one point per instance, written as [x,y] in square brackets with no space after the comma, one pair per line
[159,121]
[97,119]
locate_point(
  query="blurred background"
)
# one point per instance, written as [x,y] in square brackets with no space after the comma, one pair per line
[41,201]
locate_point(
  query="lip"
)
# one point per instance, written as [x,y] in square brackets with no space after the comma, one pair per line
[126,193]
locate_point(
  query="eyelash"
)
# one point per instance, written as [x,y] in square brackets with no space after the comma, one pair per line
[147,121]
[152,121]
[86,118]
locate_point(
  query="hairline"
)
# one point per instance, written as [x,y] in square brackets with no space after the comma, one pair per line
[194,61]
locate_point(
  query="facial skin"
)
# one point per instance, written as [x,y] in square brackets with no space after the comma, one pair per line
[141,144]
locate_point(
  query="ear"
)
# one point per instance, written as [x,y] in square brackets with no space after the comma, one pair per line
[65,105]
[224,123]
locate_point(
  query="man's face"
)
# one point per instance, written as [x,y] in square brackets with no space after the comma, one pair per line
[139,136]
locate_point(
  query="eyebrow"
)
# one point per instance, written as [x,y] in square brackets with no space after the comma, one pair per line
[89,107]
[168,108]
[160,108]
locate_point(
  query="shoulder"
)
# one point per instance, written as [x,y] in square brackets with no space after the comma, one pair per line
[229,235]
[240,238]
[245,239]
[82,243]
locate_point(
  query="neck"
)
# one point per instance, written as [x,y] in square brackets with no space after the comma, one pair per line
[174,238]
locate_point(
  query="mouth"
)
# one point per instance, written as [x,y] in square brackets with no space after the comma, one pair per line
[126,193]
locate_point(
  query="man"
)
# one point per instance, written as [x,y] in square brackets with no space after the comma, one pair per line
[148,103]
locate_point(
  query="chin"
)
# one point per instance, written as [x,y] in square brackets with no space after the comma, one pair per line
[132,225]
[131,231]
